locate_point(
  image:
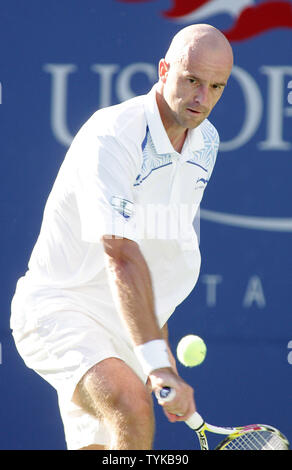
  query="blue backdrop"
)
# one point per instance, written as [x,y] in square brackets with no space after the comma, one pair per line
[59,62]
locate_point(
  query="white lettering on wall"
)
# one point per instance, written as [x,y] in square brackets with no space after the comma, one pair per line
[211,281]
[119,81]
[253,296]
[254,293]
[275,109]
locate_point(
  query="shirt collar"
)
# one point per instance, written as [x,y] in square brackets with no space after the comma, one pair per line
[194,140]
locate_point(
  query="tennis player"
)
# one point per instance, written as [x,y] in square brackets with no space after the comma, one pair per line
[117,251]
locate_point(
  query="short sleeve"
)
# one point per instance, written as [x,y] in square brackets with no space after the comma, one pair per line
[106,172]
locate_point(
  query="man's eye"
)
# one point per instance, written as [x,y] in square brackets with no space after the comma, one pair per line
[217,87]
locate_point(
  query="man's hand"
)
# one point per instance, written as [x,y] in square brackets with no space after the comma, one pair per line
[183,404]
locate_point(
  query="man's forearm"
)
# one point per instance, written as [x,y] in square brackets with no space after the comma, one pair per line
[164,331]
[131,285]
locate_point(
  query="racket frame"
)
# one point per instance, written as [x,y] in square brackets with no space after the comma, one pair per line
[200,427]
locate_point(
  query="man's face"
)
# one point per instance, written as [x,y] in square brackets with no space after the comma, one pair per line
[192,87]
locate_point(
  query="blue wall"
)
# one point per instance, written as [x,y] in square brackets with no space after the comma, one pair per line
[59,62]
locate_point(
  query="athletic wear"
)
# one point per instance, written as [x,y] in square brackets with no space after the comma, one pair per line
[121,176]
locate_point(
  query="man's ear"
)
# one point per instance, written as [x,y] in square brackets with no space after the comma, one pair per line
[163,70]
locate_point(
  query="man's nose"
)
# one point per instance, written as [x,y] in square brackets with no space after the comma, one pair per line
[202,95]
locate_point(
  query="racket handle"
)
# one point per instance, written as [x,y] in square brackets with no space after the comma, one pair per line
[195,421]
[167,394]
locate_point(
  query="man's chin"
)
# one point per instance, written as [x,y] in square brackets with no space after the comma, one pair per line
[193,120]
[193,123]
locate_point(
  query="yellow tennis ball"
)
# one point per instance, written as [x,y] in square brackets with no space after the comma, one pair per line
[191,350]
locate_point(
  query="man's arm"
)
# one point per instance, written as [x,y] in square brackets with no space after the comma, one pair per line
[164,331]
[131,285]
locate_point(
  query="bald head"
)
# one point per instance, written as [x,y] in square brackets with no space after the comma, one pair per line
[200,39]
[192,77]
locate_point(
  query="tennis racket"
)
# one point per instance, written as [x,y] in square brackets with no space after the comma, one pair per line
[250,437]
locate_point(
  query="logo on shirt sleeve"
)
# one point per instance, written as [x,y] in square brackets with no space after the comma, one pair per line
[123,206]
[201,183]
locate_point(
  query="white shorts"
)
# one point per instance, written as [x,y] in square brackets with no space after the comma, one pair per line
[61,344]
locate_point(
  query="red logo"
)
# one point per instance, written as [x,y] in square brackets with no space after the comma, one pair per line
[250,19]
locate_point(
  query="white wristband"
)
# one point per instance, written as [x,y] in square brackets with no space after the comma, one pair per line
[153,355]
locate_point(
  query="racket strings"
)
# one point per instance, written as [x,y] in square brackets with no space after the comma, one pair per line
[256,440]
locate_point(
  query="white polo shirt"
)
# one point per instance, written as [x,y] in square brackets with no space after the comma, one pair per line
[121,176]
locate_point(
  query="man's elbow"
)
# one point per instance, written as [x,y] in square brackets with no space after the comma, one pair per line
[119,249]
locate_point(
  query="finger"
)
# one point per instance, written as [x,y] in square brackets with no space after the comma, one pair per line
[171,417]
[177,410]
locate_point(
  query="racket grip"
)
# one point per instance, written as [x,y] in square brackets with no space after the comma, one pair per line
[167,394]
[195,421]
